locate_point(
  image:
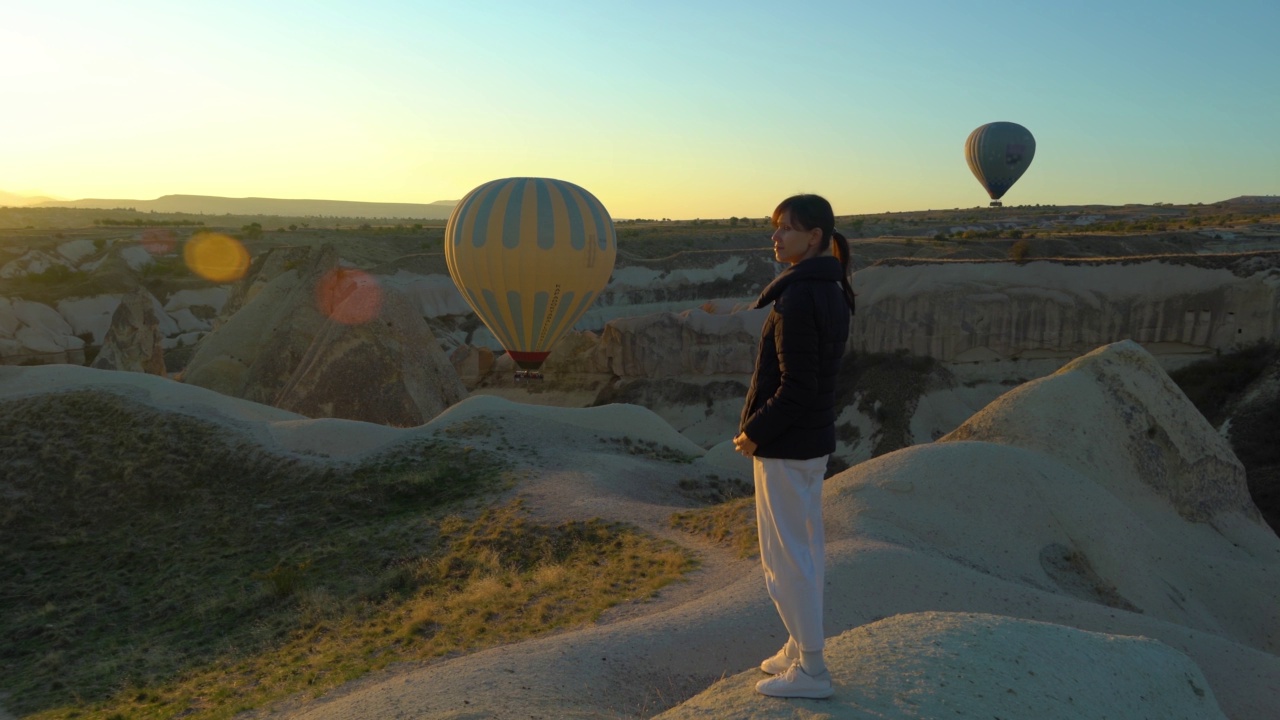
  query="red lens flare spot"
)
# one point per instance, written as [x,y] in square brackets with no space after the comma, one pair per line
[216,257]
[158,241]
[351,297]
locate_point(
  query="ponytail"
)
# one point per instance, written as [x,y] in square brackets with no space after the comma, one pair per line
[845,257]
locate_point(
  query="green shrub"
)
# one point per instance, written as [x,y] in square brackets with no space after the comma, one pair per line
[1019,250]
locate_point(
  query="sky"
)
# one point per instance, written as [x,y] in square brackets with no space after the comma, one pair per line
[663,108]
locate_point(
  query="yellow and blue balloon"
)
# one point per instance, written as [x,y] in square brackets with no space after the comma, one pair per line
[530,255]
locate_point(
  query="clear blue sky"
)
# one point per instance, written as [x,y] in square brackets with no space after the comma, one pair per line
[681,109]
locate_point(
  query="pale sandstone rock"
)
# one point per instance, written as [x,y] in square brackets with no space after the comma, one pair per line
[77,250]
[267,325]
[33,262]
[275,345]
[35,333]
[389,371]
[39,315]
[133,342]
[688,343]
[975,312]
[1120,391]
[89,315]
[937,665]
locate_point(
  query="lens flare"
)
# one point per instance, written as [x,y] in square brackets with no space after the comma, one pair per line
[351,297]
[158,241]
[216,257]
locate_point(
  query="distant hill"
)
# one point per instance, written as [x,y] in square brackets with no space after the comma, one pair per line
[8,199]
[1254,200]
[211,205]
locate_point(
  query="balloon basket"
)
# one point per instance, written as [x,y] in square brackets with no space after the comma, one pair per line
[996,203]
[523,375]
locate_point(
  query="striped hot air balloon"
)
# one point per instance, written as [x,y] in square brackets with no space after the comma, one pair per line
[998,153]
[530,255]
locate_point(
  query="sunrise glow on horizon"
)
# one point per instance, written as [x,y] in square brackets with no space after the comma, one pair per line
[662,109]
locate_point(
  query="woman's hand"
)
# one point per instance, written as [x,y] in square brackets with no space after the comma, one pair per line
[744,445]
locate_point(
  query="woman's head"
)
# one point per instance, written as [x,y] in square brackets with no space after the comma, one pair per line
[805,227]
[807,212]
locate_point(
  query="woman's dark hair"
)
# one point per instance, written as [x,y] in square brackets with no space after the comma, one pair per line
[813,211]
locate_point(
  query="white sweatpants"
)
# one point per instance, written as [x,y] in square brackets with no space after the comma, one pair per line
[792,550]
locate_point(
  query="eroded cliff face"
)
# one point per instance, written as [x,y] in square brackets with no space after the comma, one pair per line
[974,312]
[968,313]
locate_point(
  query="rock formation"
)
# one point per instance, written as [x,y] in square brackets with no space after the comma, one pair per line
[33,333]
[266,327]
[1253,428]
[471,363]
[389,371]
[283,340]
[1121,395]
[1081,546]
[1056,561]
[940,665]
[133,342]
[1096,499]
[982,311]
[693,342]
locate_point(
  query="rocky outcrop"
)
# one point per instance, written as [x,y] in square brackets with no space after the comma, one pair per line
[33,262]
[1102,483]
[1119,394]
[266,326]
[684,280]
[33,333]
[133,341]
[1043,312]
[940,665]
[661,345]
[1253,428]
[389,371]
[273,264]
[693,342]
[981,311]
[291,336]
[471,363]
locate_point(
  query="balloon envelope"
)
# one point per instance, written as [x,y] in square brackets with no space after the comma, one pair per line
[530,255]
[998,154]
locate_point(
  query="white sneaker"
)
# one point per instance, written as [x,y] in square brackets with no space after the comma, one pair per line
[780,661]
[796,683]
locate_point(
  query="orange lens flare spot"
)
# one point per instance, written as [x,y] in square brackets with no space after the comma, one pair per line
[351,297]
[216,257]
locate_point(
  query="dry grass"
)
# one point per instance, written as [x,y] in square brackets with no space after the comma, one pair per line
[157,566]
[732,524]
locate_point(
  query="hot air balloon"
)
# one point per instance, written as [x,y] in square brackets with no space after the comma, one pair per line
[998,154]
[530,255]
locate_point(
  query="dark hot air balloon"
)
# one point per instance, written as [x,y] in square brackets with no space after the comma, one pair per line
[998,154]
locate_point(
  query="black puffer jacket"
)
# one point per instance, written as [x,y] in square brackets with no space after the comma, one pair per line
[790,410]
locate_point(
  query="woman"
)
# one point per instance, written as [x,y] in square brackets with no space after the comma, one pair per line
[788,428]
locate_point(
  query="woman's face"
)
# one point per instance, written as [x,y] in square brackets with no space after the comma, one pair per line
[792,244]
